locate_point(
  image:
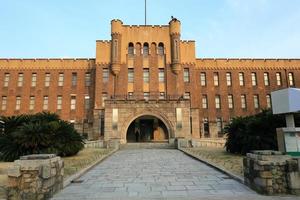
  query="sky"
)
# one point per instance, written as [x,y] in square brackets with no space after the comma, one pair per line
[221,28]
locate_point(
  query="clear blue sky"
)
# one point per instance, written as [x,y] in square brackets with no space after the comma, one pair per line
[221,28]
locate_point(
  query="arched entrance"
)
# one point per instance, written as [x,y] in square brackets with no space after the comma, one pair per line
[147,128]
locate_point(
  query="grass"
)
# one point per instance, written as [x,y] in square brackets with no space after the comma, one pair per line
[219,157]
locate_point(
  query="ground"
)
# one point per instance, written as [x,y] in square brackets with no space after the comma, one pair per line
[155,174]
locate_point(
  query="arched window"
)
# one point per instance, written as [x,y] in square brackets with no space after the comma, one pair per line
[146,49]
[130,49]
[161,49]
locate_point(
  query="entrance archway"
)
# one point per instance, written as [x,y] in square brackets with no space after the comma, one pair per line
[147,128]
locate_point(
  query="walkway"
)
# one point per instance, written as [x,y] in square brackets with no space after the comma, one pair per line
[156,174]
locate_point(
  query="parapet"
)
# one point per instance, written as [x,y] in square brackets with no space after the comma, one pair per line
[116,26]
[175,26]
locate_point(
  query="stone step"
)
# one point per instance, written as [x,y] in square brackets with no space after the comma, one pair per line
[146,145]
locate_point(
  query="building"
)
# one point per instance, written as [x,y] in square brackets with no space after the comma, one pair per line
[145,84]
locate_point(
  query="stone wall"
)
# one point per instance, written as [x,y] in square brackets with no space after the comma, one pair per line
[35,177]
[209,142]
[271,172]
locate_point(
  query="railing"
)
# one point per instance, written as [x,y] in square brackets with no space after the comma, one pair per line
[149,97]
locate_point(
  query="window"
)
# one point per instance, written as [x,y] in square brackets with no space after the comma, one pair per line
[105,75]
[230,101]
[206,127]
[61,79]
[47,79]
[74,79]
[31,103]
[243,101]
[187,95]
[33,79]
[18,103]
[269,104]
[291,79]
[266,79]
[87,79]
[186,75]
[228,78]
[4,103]
[104,97]
[130,95]
[161,49]
[203,78]
[241,79]
[59,103]
[256,101]
[87,102]
[6,79]
[146,75]
[204,102]
[146,49]
[216,79]
[146,96]
[218,101]
[253,79]
[130,75]
[73,103]
[45,103]
[162,95]
[20,79]
[219,126]
[130,49]
[161,75]
[278,78]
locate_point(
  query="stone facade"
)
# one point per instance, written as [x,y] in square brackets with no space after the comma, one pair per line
[271,172]
[35,177]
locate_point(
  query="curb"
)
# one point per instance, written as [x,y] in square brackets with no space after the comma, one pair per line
[221,169]
[78,174]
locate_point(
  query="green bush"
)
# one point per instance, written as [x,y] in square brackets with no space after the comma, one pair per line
[257,132]
[38,133]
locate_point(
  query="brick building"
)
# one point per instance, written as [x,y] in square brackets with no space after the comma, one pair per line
[145,84]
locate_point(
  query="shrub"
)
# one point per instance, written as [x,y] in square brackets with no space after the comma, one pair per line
[38,133]
[257,132]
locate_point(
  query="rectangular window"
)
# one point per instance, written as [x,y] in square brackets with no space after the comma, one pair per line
[33,79]
[87,102]
[291,79]
[206,127]
[218,101]
[74,79]
[73,103]
[87,79]
[45,103]
[269,104]
[219,126]
[203,78]
[6,79]
[146,75]
[256,101]
[243,101]
[228,79]
[47,79]
[18,103]
[266,79]
[130,75]
[31,103]
[162,95]
[187,95]
[186,75]
[104,97]
[216,79]
[146,96]
[130,95]
[204,102]
[105,75]
[230,101]
[20,79]
[253,79]
[161,75]
[4,103]
[59,103]
[61,79]
[278,79]
[241,79]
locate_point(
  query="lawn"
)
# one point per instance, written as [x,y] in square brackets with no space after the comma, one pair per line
[219,157]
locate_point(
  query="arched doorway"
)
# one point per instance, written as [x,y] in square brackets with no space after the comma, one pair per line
[147,128]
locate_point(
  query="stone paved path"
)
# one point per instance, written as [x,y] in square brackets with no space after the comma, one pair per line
[156,174]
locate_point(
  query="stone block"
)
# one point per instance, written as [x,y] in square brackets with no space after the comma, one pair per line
[46,171]
[14,171]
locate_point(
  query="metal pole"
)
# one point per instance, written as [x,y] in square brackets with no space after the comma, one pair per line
[145,12]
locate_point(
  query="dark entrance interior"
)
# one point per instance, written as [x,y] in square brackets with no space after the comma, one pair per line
[147,129]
